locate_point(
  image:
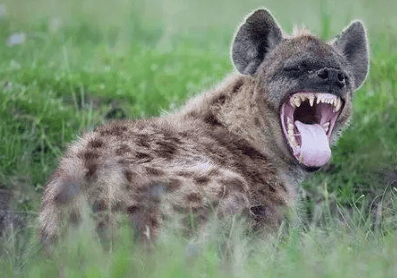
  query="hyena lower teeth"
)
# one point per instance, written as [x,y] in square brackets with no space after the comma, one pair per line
[326,126]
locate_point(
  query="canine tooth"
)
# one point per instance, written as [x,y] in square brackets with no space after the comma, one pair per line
[311,100]
[298,101]
[338,104]
[335,104]
[295,101]
[319,98]
[334,100]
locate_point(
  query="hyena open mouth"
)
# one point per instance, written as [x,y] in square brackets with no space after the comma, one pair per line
[307,121]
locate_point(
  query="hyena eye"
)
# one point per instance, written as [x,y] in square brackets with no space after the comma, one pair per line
[292,69]
[306,67]
[303,67]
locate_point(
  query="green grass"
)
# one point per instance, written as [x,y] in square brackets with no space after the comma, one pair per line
[105,61]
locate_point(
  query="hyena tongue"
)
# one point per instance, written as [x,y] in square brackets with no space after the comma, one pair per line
[314,149]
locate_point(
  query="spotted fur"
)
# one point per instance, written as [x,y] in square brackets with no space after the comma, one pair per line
[222,154]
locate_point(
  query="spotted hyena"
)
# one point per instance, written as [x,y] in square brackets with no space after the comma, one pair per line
[241,148]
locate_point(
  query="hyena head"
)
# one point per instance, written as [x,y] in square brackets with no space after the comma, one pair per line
[303,82]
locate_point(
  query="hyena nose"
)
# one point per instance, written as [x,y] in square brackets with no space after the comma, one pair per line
[333,76]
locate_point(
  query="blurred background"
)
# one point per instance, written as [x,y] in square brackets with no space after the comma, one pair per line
[163,21]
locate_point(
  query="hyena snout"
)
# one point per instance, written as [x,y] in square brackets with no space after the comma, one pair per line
[331,76]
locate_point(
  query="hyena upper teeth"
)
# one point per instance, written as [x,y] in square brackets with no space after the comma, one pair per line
[297,99]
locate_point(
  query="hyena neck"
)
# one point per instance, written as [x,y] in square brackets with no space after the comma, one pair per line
[240,115]
[233,105]
[228,105]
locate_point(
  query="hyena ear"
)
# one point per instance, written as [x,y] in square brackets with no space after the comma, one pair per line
[352,43]
[253,40]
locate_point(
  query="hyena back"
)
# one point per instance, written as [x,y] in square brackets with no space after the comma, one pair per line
[241,148]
